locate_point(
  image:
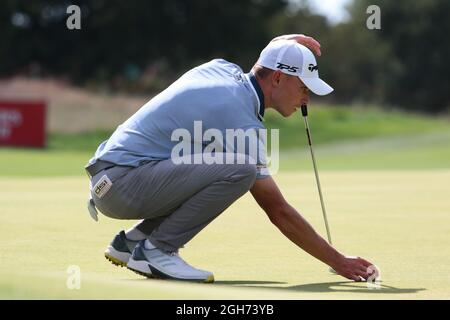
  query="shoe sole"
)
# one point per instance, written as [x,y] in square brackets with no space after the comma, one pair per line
[139,266]
[117,258]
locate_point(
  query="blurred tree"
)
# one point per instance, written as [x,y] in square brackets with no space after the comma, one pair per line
[408,57]
[404,64]
[143,45]
[118,35]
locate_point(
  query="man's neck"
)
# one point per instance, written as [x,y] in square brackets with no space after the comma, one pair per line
[265,90]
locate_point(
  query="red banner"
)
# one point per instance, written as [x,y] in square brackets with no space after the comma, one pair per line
[22,123]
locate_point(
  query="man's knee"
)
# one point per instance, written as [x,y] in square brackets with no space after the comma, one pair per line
[249,171]
[244,170]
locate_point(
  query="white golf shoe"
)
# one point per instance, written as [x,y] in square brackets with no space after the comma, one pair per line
[120,249]
[157,263]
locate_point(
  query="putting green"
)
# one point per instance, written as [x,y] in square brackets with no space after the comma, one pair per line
[397,219]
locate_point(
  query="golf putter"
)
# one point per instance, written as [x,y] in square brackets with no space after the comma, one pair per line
[305,115]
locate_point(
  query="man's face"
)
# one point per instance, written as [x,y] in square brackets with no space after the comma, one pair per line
[289,93]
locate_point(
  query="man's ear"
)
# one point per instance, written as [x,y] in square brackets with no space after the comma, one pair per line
[276,78]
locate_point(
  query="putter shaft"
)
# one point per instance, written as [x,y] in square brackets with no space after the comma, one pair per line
[305,114]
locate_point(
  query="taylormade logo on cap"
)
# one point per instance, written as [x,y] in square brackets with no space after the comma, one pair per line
[282,66]
[294,59]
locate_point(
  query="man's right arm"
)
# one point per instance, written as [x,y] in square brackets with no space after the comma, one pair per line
[298,230]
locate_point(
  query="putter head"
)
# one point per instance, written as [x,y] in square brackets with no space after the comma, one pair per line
[304,110]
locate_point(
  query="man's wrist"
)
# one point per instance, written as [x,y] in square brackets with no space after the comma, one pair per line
[336,259]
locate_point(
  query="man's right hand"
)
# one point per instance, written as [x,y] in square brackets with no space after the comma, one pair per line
[298,230]
[354,268]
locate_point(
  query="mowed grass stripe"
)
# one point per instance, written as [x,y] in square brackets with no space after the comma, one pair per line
[398,219]
[419,151]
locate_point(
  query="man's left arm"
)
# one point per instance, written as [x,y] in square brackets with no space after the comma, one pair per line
[307,41]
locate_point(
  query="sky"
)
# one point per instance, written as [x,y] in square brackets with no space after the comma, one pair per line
[332,9]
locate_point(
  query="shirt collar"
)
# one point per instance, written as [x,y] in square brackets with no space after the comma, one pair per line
[259,93]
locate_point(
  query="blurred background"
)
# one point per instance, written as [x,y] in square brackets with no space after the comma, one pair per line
[393,81]
[381,139]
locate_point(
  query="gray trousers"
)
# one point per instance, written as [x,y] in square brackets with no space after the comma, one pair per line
[175,201]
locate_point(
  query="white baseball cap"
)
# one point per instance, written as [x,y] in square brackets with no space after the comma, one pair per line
[294,59]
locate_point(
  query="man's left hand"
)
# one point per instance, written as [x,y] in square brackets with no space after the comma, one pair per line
[307,41]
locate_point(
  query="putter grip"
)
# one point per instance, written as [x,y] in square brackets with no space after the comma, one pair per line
[304,110]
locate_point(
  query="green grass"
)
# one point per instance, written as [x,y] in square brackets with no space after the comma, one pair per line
[397,219]
[328,125]
[26,163]
[334,124]
[418,151]
[427,151]
[86,141]
[343,138]
[404,152]
[385,178]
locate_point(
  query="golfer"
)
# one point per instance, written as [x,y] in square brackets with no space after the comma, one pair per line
[136,174]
